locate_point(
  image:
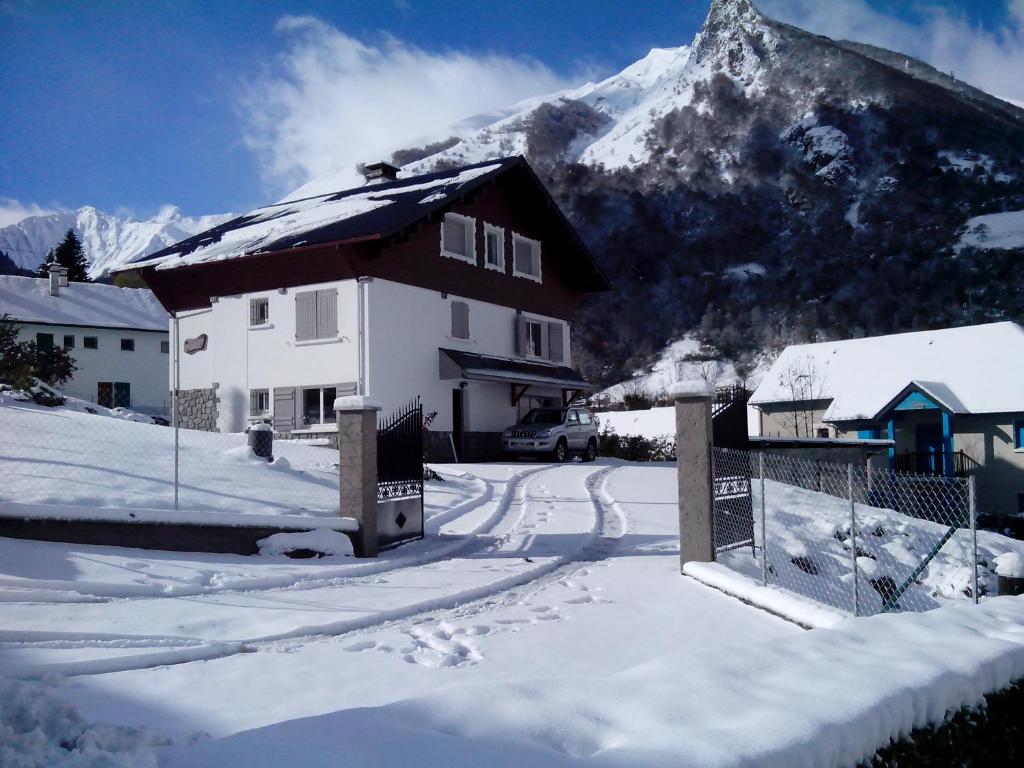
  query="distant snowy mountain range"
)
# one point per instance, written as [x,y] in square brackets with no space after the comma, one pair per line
[108,240]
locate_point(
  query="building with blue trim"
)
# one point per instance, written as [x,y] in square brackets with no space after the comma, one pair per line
[950,401]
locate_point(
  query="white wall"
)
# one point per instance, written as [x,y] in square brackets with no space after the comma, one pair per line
[406,326]
[241,358]
[145,369]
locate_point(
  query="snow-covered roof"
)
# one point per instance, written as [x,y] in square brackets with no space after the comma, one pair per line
[367,211]
[28,300]
[972,369]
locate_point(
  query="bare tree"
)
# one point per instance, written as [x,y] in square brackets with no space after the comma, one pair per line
[804,385]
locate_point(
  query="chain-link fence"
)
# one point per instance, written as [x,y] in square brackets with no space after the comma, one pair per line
[80,459]
[859,539]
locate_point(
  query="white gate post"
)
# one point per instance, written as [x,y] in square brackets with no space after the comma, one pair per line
[357,467]
[695,471]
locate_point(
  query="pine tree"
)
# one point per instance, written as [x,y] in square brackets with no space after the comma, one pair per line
[68,254]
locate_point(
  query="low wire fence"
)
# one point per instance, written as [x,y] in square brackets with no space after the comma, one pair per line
[859,539]
[80,459]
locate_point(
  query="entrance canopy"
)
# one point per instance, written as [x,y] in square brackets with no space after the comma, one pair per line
[455,364]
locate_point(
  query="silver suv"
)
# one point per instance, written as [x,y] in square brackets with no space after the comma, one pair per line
[555,432]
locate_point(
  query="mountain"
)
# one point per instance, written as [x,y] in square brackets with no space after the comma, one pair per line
[108,240]
[764,185]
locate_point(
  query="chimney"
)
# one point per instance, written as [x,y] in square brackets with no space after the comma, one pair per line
[54,269]
[63,277]
[380,173]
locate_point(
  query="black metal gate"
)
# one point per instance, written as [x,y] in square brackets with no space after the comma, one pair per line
[400,453]
[733,519]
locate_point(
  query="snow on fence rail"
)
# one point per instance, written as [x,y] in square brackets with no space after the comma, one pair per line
[859,541]
[99,461]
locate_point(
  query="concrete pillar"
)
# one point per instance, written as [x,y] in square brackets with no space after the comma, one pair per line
[694,466]
[357,467]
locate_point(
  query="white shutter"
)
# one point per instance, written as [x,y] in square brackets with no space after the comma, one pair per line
[305,315]
[284,409]
[522,336]
[556,353]
[460,320]
[327,313]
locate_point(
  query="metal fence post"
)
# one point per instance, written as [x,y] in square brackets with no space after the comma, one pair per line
[764,528]
[973,503]
[174,403]
[853,537]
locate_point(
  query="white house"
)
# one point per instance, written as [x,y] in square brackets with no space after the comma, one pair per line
[118,337]
[950,400]
[457,287]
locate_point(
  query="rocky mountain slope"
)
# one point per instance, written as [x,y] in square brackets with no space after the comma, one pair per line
[107,239]
[765,184]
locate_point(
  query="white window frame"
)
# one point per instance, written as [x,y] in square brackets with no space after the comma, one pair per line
[540,353]
[253,302]
[261,393]
[325,408]
[535,245]
[491,229]
[469,222]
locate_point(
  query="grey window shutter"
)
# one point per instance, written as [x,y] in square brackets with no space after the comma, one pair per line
[305,315]
[327,313]
[460,320]
[555,348]
[284,409]
[522,338]
[253,402]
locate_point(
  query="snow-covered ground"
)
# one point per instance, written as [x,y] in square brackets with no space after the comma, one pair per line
[808,535]
[542,621]
[97,467]
[995,231]
[650,423]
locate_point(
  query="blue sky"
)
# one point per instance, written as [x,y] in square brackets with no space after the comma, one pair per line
[129,106]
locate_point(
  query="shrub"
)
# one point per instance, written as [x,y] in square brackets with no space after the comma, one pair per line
[637,448]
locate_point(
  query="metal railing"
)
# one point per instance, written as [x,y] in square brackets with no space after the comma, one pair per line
[400,453]
[857,539]
[934,463]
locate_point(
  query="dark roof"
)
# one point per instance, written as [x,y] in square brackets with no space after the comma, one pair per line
[373,211]
[487,368]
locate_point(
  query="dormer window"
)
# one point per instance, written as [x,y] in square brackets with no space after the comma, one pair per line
[494,248]
[526,257]
[458,238]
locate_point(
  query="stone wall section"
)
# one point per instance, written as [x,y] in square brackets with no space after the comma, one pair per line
[197,409]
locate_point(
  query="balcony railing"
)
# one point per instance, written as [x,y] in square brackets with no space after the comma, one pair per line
[933,464]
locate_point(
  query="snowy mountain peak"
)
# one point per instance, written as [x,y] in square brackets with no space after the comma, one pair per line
[731,12]
[108,240]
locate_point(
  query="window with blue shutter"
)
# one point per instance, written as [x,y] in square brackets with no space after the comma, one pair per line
[1018,433]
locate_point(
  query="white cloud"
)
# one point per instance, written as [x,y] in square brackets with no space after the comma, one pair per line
[12,211]
[331,100]
[990,59]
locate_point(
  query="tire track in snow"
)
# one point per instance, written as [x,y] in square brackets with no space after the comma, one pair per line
[500,523]
[557,567]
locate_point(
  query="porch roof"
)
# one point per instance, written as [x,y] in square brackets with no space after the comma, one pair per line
[936,391]
[455,364]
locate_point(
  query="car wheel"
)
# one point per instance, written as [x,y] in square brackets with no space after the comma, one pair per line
[561,452]
[591,452]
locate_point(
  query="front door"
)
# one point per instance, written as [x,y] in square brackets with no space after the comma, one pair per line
[458,422]
[929,447]
[122,394]
[105,394]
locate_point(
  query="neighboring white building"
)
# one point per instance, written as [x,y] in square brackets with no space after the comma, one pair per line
[118,337]
[456,287]
[950,400]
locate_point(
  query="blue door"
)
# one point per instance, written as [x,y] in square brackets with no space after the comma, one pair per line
[929,448]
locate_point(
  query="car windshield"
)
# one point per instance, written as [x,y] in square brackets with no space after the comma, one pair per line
[544,416]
